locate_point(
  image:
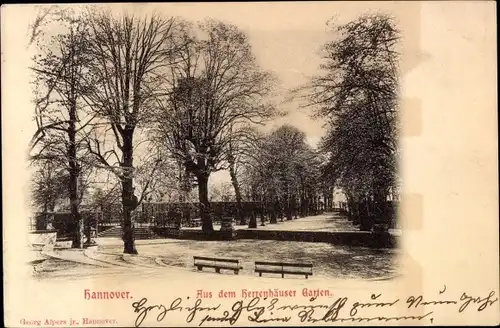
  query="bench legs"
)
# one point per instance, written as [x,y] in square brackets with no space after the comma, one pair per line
[283,275]
[217,270]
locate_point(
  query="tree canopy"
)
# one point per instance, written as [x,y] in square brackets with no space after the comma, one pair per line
[214,91]
[357,94]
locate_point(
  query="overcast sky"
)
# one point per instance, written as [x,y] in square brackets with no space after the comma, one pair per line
[285,37]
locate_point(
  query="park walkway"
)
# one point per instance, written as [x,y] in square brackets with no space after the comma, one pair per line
[323,222]
[330,222]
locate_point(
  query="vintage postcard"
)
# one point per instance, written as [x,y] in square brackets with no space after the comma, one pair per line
[250,164]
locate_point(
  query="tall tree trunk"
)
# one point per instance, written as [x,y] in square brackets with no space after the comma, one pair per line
[307,204]
[288,209]
[294,206]
[310,202]
[128,199]
[206,219]
[380,204]
[42,223]
[303,205]
[237,192]
[274,211]
[253,220]
[302,211]
[78,226]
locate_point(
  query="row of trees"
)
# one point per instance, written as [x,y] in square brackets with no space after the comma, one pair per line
[109,88]
[160,104]
[283,172]
[357,95]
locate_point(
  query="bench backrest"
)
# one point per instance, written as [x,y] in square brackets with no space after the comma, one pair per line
[202,258]
[281,264]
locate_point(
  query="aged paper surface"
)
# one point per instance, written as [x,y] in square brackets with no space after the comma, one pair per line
[447,249]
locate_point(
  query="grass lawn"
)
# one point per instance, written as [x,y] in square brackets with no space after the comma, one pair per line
[330,261]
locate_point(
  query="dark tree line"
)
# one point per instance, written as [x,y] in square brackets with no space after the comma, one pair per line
[357,93]
[283,174]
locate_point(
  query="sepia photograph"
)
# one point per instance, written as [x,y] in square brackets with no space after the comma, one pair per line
[168,140]
[244,155]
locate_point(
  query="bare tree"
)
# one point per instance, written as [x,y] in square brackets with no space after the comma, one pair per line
[59,109]
[128,55]
[46,15]
[242,149]
[157,175]
[215,90]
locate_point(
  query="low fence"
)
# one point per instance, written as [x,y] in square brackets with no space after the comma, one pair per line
[351,238]
[188,211]
[165,215]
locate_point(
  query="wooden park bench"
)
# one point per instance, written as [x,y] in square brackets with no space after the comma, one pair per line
[217,263]
[288,268]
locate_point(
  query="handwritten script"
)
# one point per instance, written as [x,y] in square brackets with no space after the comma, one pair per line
[337,309]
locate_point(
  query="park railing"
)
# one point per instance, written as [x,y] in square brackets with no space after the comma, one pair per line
[163,214]
[168,214]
